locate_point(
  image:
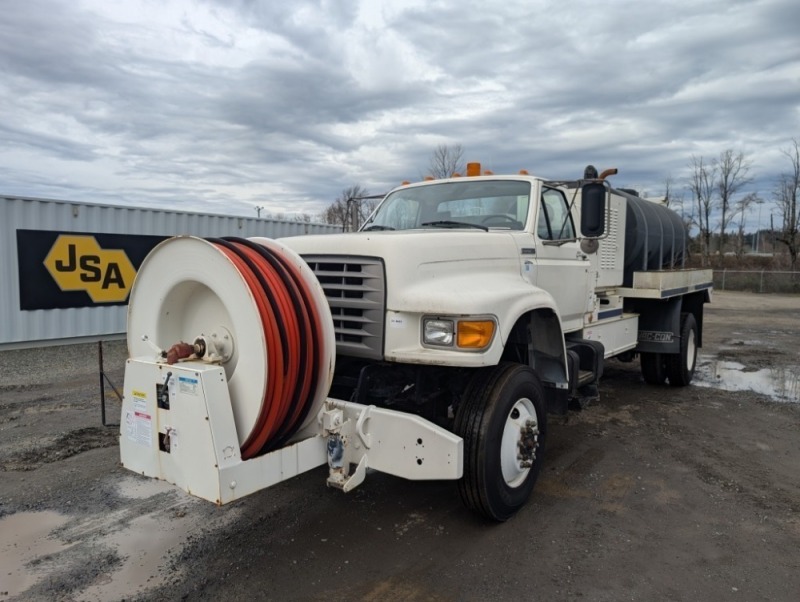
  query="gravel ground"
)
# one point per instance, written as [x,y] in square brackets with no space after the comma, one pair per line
[652,493]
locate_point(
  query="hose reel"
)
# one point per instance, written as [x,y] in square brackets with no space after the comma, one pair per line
[251,305]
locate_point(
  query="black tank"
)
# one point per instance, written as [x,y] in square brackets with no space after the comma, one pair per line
[655,237]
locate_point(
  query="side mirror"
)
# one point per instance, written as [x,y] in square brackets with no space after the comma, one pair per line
[593,210]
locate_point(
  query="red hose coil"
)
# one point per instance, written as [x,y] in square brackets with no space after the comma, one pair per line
[291,324]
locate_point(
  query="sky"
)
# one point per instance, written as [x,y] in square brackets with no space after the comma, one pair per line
[228,105]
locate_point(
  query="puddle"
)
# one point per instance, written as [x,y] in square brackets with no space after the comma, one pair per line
[144,542]
[778,382]
[143,532]
[144,545]
[25,537]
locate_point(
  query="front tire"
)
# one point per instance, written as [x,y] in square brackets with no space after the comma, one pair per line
[680,366]
[503,422]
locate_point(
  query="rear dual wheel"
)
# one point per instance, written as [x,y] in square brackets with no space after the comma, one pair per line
[654,369]
[679,367]
[503,423]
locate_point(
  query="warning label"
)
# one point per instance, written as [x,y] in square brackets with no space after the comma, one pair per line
[139,427]
[187,385]
[139,401]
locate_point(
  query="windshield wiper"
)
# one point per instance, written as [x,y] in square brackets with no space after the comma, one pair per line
[377,227]
[446,223]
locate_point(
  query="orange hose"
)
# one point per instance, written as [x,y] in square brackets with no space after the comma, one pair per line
[291,323]
[311,348]
[268,413]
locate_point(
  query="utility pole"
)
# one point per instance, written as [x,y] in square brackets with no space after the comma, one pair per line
[758,228]
[772,232]
[258,209]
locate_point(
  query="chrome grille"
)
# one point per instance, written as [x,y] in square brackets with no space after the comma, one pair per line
[356,293]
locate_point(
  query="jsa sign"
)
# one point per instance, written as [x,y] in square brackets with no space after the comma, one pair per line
[72,269]
[78,263]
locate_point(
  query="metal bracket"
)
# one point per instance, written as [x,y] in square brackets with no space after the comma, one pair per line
[358,477]
[332,421]
[363,416]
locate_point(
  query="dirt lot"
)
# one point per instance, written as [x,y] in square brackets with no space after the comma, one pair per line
[652,493]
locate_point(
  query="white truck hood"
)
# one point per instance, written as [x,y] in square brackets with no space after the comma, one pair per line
[443,263]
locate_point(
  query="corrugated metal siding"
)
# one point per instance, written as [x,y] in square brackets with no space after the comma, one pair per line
[18,328]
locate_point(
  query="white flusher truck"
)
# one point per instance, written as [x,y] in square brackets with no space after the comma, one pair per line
[431,344]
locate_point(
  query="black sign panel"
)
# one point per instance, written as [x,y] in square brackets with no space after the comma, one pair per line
[78,269]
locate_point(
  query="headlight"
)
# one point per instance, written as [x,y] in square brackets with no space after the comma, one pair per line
[438,332]
[463,333]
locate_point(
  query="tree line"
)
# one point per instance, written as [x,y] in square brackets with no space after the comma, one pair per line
[717,187]
[719,205]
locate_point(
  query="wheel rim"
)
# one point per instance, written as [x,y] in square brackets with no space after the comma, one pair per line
[520,442]
[691,349]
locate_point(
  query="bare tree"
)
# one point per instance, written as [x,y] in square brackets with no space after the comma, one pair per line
[672,198]
[702,183]
[350,208]
[732,169]
[335,213]
[446,160]
[741,208]
[786,195]
[669,192]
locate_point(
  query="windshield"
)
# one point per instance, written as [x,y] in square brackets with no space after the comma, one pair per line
[495,204]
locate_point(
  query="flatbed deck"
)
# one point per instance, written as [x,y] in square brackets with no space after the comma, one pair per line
[667,283]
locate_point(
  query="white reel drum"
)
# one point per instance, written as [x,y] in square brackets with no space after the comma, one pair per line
[256,308]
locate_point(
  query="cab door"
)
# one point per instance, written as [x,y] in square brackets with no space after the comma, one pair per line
[558,264]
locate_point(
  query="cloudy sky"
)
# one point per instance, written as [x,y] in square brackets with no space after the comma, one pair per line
[222,105]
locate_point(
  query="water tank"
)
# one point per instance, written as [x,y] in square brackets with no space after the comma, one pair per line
[655,237]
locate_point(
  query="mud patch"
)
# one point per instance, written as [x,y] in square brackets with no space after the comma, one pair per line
[398,590]
[144,544]
[754,354]
[62,447]
[44,404]
[113,555]
[19,388]
[70,571]
[602,415]
[26,539]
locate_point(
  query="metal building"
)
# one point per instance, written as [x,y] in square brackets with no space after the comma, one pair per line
[67,267]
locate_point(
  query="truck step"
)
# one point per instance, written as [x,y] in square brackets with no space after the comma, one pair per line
[585,377]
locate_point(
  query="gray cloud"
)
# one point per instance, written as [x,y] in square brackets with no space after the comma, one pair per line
[220,106]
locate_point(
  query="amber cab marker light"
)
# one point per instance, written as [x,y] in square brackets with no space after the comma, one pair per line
[473,169]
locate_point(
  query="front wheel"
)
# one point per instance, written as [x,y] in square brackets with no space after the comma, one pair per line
[503,423]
